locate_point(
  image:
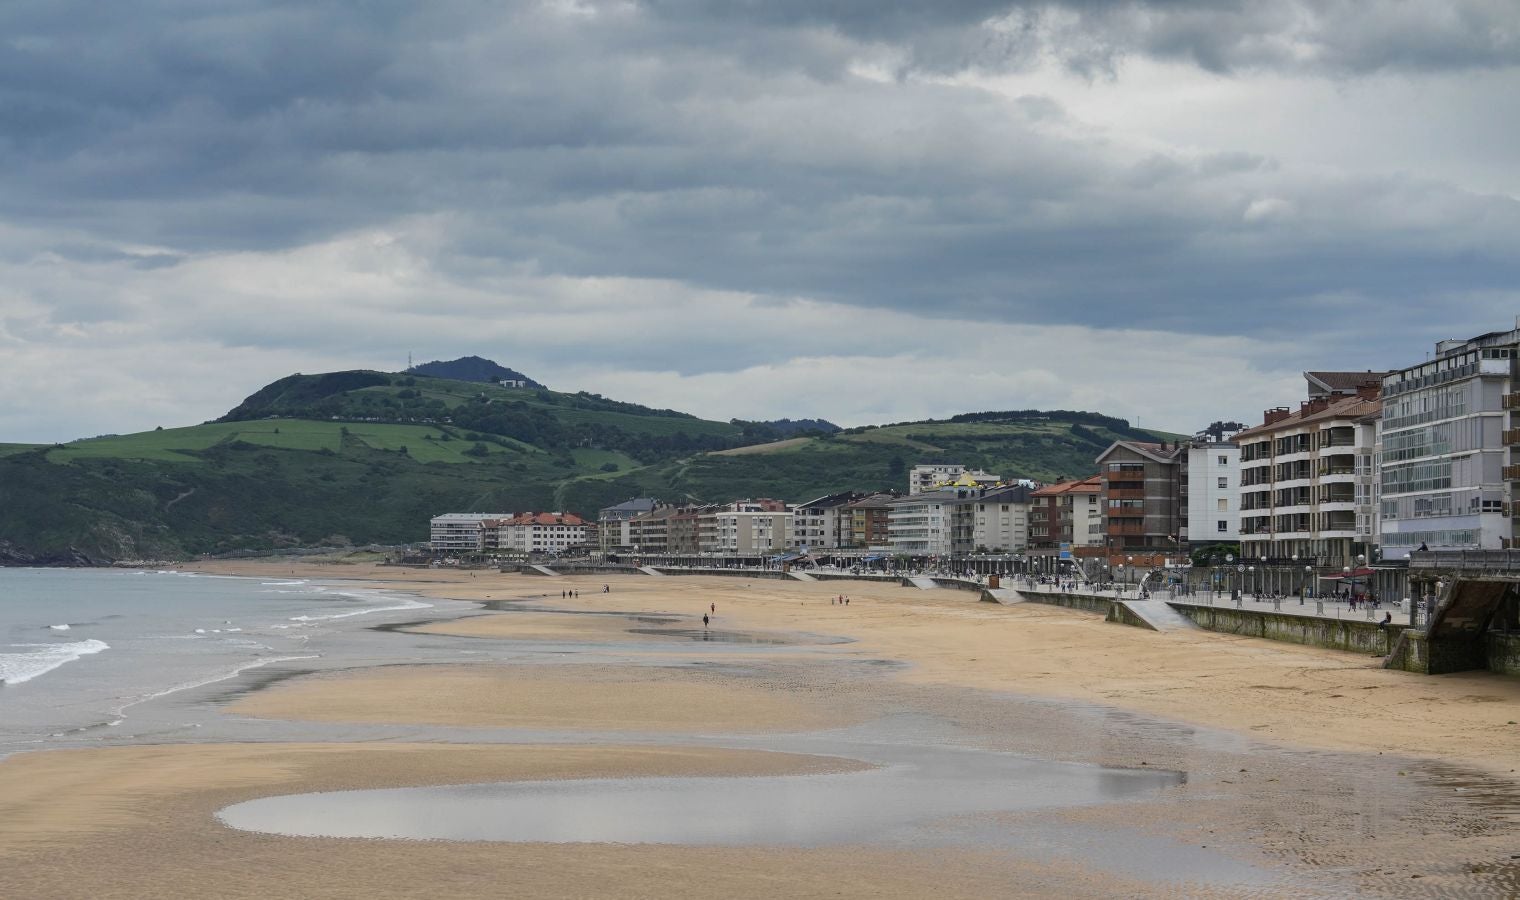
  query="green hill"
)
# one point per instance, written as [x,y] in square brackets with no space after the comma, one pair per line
[369,457]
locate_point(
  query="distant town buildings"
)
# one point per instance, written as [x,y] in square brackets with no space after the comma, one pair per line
[936,475]
[469,533]
[1368,465]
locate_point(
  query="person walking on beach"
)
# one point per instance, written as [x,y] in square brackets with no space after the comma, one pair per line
[704,621]
[714,608]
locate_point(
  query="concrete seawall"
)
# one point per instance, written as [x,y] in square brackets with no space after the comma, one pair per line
[1315,631]
[1498,653]
[1092,603]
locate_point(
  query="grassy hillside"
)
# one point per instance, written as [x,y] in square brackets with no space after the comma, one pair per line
[369,457]
[1044,446]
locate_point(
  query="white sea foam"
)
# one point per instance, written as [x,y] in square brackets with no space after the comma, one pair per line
[222,676]
[39,659]
[404,604]
[281,583]
[64,627]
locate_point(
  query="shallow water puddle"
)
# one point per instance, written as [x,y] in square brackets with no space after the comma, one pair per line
[897,802]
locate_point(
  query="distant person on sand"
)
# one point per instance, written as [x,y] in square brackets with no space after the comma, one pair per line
[606,588]
[714,608]
[704,620]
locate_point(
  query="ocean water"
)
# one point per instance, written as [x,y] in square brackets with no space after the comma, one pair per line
[80,648]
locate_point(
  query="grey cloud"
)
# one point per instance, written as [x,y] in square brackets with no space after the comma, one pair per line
[1340,36]
[730,148]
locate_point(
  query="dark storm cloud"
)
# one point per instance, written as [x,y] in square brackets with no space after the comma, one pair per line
[733,147]
[1344,36]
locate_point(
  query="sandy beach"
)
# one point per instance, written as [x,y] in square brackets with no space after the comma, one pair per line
[1302,762]
[1294,695]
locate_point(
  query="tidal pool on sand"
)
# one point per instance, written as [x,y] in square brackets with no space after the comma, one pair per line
[909,798]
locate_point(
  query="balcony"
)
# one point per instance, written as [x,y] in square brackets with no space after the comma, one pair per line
[1510,437]
[1126,494]
[1126,526]
[1512,401]
[1510,473]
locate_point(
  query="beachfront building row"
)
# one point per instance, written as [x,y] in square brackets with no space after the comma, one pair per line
[1066,515]
[956,521]
[470,533]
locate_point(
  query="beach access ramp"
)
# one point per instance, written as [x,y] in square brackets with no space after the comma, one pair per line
[1002,595]
[651,570]
[801,576]
[923,582]
[544,570]
[1158,614]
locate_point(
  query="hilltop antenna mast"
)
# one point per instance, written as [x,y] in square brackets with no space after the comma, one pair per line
[408,360]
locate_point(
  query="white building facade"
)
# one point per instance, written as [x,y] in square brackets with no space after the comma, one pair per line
[1213,493]
[541,533]
[748,528]
[1445,445]
[1000,520]
[463,532]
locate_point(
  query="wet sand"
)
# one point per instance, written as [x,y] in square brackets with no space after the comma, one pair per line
[602,698]
[1342,777]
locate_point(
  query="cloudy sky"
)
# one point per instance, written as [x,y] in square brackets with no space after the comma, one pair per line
[865,210]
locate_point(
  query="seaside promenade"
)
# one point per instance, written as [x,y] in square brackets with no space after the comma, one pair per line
[1321,608]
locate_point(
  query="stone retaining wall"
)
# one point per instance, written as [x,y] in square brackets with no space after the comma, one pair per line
[1085,602]
[1333,634]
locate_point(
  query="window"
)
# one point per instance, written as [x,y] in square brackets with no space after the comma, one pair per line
[1224,481]
[1224,460]
[1222,504]
[1223,526]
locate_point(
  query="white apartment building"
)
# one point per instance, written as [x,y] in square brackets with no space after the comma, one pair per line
[920,524]
[550,532]
[747,528]
[823,523]
[1213,493]
[1308,479]
[957,521]
[1444,447]
[1000,519]
[463,532]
